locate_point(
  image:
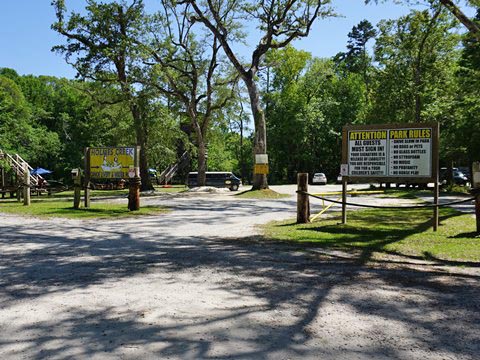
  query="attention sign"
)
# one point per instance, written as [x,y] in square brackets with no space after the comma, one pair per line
[111,162]
[401,151]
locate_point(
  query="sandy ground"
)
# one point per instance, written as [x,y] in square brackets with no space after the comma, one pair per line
[197,283]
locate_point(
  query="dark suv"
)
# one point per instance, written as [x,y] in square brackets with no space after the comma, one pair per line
[216,179]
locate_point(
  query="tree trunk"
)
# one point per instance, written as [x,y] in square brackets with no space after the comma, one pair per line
[243,165]
[465,20]
[140,132]
[418,99]
[260,144]
[202,163]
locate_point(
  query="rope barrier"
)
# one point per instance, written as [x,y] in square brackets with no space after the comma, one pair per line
[387,207]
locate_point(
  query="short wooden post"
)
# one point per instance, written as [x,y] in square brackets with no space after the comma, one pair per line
[476,191]
[344,201]
[77,185]
[303,202]
[86,180]
[436,195]
[435,168]
[134,192]
[86,195]
[477,211]
[26,186]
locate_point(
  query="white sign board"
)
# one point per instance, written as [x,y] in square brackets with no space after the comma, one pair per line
[476,174]
[367,153]
[397,152]
[261,159]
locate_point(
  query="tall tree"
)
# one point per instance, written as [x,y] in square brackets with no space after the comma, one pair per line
[280,22]
[467,131]
[190,70]
[356,59]
[99,47]
[454,8]
[415,54]
[309,102]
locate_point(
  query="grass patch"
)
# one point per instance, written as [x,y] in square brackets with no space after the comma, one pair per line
[64,209]
[406,193]
[93,193]
[403,193]
[261,194]
[456,190]
[115,193]
[402,232]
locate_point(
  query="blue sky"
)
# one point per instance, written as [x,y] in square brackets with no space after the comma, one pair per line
[26,38]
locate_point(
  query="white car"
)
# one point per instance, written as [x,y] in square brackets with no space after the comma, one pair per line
[319,178]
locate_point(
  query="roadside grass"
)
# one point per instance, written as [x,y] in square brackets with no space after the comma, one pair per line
[93,193]
[64,209]
[385,231]
[403,193]
[261,194]
[406,193]
[115,193]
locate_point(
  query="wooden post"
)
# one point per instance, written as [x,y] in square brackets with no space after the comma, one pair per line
[87,179]
[435,170]
[303,203]
[18,186]
[134,191]
[476,191]
[344,200]
[477,211]
[77,184]
[26,186]
[436,195]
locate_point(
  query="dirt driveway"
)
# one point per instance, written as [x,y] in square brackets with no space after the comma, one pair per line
[196,284]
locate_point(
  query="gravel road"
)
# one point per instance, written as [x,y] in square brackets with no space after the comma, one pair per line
[197,283]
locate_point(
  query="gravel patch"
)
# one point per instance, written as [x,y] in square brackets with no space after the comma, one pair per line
[198,283]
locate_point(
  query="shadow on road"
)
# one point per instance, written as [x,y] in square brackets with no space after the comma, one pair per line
[292,292]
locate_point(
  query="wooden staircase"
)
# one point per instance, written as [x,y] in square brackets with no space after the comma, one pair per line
[19,165]
[166,175]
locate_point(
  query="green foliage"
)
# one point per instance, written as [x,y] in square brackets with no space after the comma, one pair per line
[19,131]
[305,114]
[417,55]
[466,130]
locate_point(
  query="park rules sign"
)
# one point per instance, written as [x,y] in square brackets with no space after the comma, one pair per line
[390,152]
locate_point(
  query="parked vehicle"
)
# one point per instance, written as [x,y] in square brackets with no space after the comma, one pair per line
[319,178]
[466,171]
[459,178]
[216,179]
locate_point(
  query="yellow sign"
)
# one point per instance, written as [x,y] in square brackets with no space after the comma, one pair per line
[111,162]
[261,169]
